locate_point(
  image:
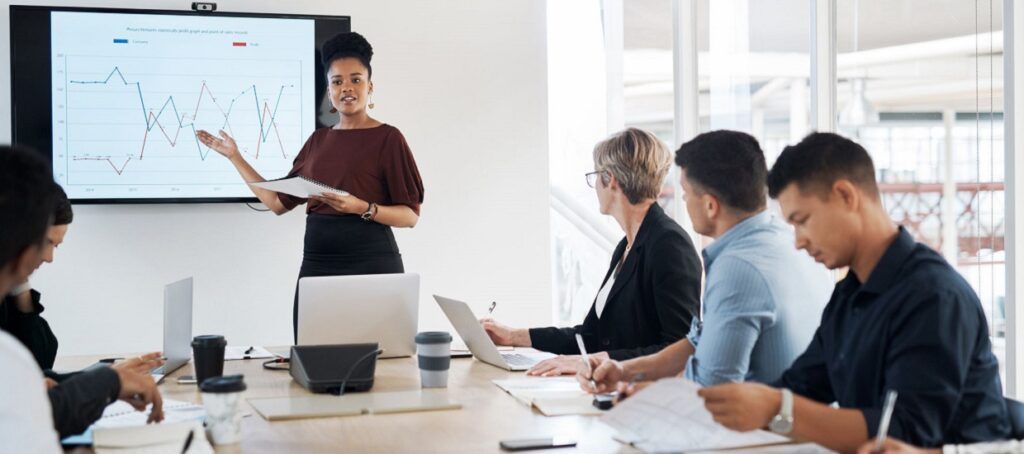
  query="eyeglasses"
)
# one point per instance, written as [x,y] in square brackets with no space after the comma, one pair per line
[592,177]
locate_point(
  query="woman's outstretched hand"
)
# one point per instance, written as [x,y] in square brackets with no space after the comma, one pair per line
[224,144]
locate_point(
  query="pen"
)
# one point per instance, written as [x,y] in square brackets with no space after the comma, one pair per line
[883,426]
[632,381]
[249,350]
[586,360]
[188,441]
[494,304]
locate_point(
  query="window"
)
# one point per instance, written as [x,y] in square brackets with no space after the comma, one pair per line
[920,87]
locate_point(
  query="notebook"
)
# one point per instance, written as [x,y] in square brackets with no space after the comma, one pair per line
[121,414]
[238,352]
[298,187]
[160,438]
[323,406]
[555,396]
[669,416]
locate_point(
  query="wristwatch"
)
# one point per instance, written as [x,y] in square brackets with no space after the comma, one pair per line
[782,424]
[371,212]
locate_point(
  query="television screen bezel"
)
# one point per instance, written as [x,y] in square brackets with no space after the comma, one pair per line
[48,154]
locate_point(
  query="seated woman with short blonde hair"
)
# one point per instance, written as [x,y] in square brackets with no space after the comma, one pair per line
[651,291]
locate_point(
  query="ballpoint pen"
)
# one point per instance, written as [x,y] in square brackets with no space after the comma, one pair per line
[586,360]
[883,425]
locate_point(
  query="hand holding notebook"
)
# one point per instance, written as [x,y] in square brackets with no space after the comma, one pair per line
[298,187]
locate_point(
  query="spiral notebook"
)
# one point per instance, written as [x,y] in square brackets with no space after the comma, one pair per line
[120,414]
[298,187]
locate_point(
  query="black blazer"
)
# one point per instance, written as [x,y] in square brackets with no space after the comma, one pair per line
[651,303]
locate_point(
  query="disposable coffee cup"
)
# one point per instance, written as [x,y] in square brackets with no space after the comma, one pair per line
[220,399]
[434,352]
[208,356]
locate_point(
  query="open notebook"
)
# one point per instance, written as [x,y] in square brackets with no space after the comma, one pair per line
[554,396]
[119,415]
[298,187]
[168,437]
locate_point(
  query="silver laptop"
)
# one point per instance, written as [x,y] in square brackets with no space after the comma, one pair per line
[382,308]
[479,343]
[177,327]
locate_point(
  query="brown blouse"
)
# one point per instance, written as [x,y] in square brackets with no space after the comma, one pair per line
[373,164]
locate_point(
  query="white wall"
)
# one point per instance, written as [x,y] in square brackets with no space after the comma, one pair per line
[465,81]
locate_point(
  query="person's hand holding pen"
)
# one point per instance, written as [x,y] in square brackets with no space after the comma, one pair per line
[891,446]
[504,335]
[140,364]
[603,376]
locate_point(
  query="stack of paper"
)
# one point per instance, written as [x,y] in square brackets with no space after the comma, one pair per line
[555,396]
[669,416]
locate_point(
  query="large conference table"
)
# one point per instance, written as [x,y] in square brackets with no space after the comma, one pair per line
[487,416]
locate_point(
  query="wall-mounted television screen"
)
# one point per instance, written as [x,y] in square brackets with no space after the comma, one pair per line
[113,97]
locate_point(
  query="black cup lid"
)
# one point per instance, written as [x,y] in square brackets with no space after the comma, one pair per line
[226,384]
[210,340]
[433,337]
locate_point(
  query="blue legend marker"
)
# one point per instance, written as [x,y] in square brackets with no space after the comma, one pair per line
[120,41]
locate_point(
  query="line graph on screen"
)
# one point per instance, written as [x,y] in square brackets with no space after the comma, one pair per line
[132,121]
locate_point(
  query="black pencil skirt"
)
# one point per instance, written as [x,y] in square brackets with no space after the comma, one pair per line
[343,245]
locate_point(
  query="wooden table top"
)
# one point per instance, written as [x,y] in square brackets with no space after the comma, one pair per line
[488,414]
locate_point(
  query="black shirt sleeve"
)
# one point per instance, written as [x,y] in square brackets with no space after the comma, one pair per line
[808,376]
[79,401]
[931,348]
[31,329]
[560,341]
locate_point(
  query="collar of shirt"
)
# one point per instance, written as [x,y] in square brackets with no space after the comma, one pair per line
[886,271]
[740,230]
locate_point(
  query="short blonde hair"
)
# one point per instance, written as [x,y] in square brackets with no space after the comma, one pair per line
[637,159]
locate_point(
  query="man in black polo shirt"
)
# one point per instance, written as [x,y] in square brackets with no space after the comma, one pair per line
[902,320]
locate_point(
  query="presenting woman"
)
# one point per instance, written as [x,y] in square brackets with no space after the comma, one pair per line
[651,291]
[350,234]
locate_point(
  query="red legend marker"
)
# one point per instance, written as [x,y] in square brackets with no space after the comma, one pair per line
[238,44]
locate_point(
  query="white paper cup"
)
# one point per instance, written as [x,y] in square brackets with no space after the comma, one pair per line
[221,396]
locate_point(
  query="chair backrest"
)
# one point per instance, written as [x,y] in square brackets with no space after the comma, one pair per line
[1016,410]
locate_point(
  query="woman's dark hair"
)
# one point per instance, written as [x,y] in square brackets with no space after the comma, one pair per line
[62,214]
[347,45]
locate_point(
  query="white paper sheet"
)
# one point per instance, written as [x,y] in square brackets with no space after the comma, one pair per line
[669,416]
[237,352]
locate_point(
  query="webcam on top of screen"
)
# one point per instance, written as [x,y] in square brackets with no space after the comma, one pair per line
[204,6]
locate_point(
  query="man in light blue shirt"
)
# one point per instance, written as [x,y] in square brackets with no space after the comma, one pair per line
[762,298]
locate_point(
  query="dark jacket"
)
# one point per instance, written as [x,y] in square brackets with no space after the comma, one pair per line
[31,329]
[79,399]
[652,302]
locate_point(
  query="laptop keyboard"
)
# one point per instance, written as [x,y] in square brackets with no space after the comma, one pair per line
[516,359]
